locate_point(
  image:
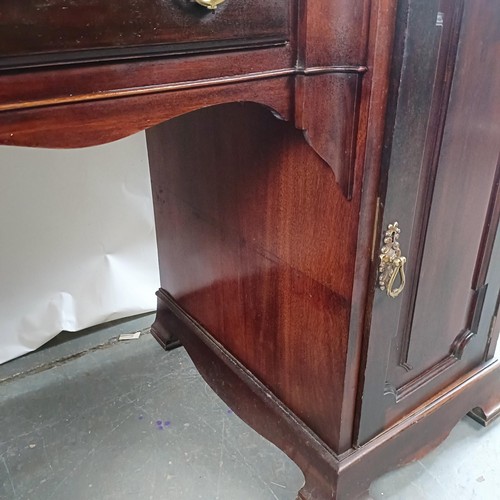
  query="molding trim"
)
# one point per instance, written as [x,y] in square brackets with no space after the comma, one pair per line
[176,86]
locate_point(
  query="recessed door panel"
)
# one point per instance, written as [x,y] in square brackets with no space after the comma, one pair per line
[440,164]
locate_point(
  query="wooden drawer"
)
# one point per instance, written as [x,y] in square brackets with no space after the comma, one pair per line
[41,32]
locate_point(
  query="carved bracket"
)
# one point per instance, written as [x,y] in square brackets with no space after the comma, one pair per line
[326,109]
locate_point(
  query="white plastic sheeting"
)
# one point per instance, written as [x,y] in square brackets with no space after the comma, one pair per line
[77,241]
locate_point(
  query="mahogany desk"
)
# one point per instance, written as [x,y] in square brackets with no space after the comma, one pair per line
[286,138]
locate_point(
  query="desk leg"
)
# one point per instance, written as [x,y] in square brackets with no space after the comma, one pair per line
[255,245]
[164,337]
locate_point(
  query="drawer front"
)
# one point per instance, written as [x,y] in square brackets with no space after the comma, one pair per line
[41,32]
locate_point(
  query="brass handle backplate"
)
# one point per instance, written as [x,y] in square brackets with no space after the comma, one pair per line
[210,4]
[392,263]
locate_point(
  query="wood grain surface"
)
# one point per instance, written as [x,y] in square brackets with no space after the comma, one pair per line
[41,32]
[275,168]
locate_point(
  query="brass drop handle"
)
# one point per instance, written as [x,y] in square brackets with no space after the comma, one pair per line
[210,4]
[399,269]
[392,263]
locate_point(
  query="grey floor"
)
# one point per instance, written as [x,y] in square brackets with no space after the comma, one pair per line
[90,417]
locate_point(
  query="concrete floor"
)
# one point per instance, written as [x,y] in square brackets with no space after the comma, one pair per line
[89,417]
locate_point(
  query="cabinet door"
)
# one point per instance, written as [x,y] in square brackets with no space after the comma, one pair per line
[441,172]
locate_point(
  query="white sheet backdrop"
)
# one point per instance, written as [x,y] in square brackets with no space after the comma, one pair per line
[77,242]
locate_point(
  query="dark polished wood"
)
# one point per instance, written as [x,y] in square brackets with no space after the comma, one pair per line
[255,258]
[329,475]
[36,33]
[283,137]
[446,202]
